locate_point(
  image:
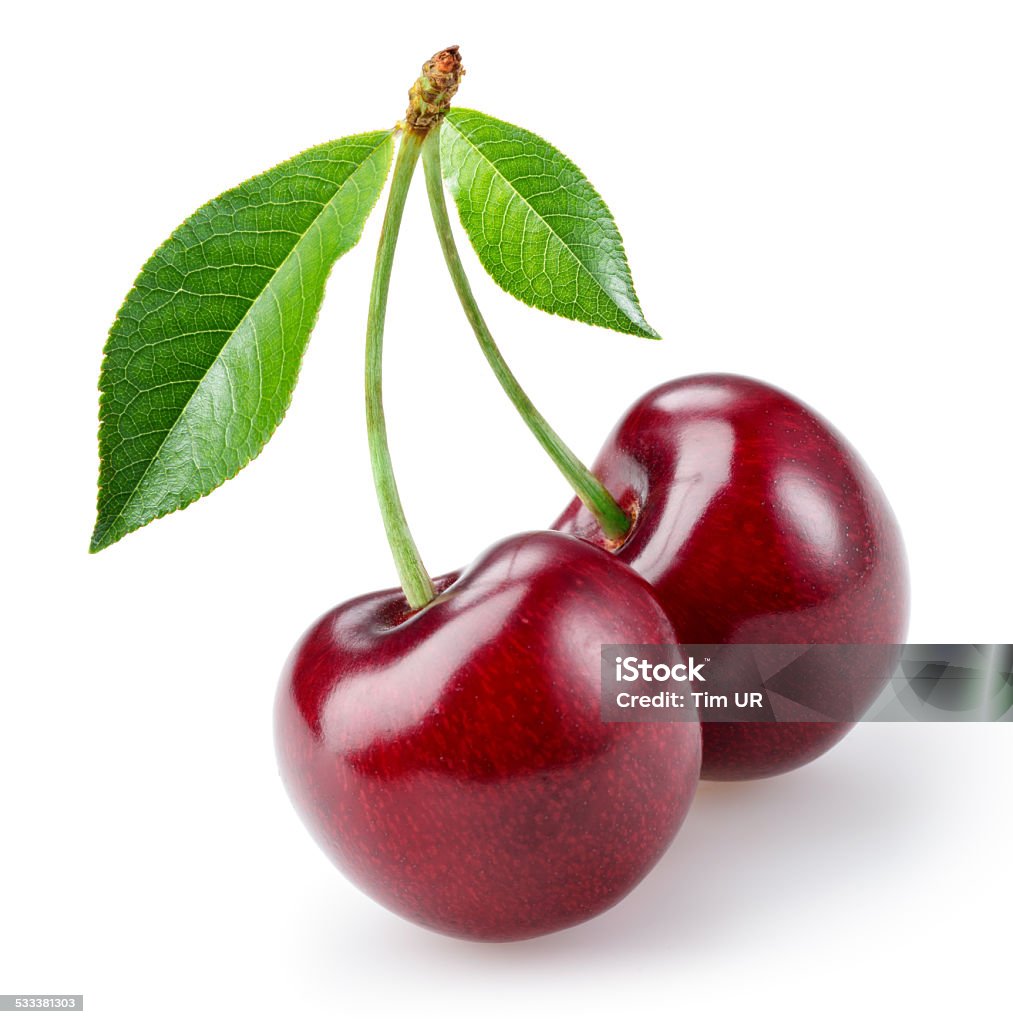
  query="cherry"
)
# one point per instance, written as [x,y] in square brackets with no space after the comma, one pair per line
[756,522]
[453,761]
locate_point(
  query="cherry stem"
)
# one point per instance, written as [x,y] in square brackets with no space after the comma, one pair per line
[418,587]
[614,522]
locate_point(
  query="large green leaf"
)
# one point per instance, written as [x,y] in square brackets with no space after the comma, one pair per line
[537,224]
[202,359]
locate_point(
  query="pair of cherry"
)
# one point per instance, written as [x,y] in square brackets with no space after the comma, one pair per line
[453,761]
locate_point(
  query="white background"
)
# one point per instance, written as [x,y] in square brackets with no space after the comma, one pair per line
[817,194]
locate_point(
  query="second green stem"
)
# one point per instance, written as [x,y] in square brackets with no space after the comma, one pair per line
[415,581]
[611,518]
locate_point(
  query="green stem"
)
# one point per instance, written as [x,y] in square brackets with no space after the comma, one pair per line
[611,518]
[418,587]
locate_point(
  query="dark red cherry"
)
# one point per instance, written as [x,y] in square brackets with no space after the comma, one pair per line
[756,522]
[453,761]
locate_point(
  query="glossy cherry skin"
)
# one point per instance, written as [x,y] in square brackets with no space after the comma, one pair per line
[453,762]
[756,522]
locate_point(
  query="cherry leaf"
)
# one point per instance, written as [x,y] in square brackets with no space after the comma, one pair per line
[539,227]
[200,364]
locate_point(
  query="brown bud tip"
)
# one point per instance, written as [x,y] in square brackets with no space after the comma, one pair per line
[429,98]
[447,61]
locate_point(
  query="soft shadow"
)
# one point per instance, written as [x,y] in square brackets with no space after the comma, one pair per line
[748,853]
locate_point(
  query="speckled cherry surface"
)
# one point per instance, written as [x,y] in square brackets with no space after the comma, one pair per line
[756,522]
[453,761]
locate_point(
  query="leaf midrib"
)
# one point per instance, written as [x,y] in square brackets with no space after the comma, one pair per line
[548,226]
[225,344]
